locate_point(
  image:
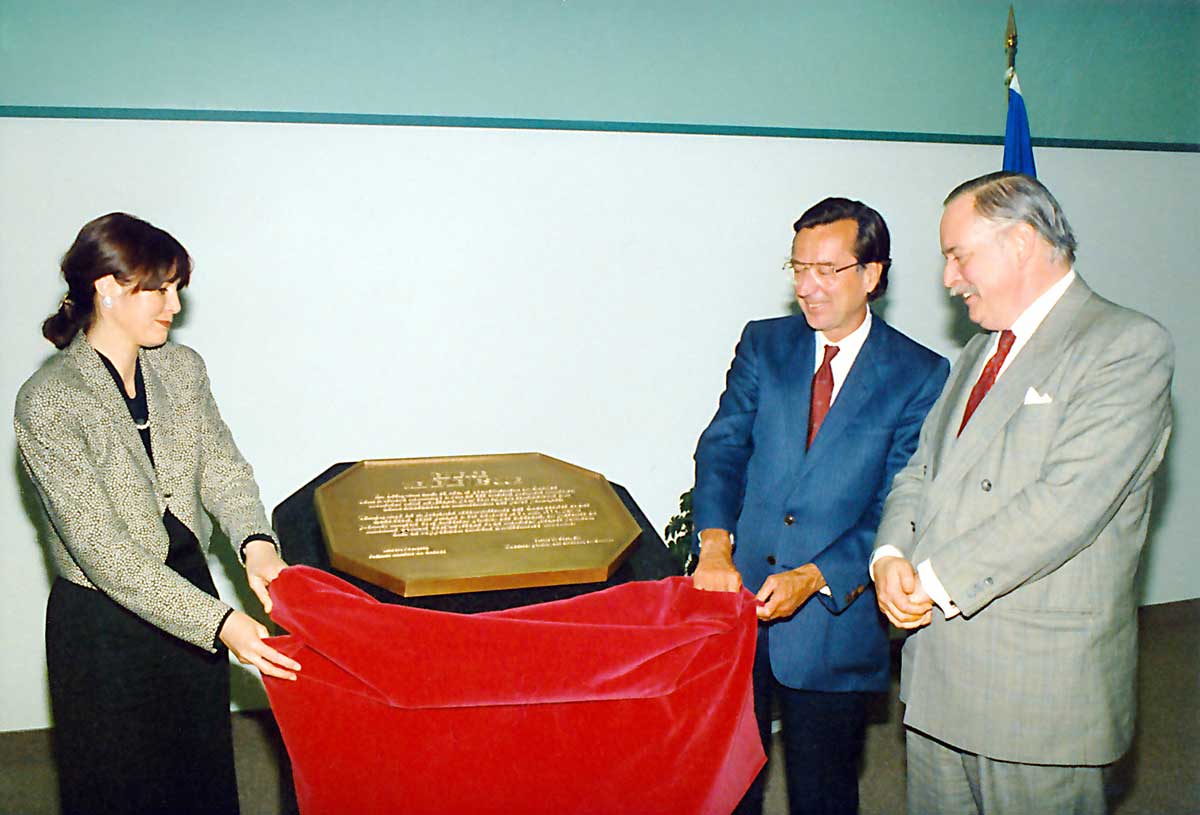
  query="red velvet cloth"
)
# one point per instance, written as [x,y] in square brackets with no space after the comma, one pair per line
[632,700]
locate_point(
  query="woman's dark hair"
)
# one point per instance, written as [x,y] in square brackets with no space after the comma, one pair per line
[873,243]
[130,250]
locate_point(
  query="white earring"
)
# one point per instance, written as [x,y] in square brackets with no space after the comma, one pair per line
[106,301]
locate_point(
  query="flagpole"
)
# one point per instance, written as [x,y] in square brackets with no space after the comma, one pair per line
[1010,47]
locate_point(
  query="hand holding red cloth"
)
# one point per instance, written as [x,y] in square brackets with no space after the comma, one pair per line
[634,699]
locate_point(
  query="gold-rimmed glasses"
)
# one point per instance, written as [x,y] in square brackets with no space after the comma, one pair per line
[821,272]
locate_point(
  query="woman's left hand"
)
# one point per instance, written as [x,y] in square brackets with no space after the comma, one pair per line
[244,636]
[263,565]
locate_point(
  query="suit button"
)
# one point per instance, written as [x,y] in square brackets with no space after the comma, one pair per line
[985,485]
[166,495]
[771,559]
[789,519]
[913,525]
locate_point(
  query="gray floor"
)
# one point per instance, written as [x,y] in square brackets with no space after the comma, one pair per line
[1160,776]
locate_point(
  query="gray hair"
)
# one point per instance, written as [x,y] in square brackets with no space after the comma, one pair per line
[1013,198]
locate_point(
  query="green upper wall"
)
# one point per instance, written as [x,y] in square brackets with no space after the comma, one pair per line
[1091,71]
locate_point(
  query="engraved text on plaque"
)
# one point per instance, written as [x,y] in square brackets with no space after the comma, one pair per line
[473,523]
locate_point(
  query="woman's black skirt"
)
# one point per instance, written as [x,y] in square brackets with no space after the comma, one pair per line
[141,718]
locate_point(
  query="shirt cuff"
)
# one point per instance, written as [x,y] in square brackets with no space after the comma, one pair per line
[887,550]
[934,588]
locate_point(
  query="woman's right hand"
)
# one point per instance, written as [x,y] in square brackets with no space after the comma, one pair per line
[244,635]
[263,565]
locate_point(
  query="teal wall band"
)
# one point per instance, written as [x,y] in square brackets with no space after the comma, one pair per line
[1118,72]
[296,117]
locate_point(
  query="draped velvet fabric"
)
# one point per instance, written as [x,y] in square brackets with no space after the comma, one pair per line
[632,700]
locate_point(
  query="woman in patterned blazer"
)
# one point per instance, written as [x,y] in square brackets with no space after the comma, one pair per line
[123,441]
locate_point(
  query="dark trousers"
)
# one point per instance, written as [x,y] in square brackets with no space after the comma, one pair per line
[823,736]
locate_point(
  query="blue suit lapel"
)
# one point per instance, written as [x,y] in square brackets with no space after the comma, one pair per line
[795,380]
[855,395]
[861,383]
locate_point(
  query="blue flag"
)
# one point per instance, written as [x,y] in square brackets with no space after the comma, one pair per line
[1018,150]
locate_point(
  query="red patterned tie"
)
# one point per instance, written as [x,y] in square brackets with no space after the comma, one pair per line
[988,376]
[822,393]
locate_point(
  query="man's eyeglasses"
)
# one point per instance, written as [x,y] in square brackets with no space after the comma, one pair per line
[823,272]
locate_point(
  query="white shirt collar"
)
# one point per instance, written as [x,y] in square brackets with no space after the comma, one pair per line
[1029,320]
[850,344]
[849,347]
[1035,312]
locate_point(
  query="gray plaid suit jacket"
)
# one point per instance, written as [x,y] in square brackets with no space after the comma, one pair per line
[105,500]
[1034,520]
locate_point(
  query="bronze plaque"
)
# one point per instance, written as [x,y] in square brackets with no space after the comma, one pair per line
[420,526]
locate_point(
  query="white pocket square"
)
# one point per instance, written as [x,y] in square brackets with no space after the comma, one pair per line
[1032,397]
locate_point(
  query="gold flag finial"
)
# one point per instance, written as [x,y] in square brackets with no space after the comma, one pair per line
[1010,45]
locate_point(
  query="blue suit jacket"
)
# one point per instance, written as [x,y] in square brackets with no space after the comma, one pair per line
[787,506]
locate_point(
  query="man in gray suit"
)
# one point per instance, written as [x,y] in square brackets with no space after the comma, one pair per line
[1010,541]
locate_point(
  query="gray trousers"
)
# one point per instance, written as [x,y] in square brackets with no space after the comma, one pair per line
[945,781]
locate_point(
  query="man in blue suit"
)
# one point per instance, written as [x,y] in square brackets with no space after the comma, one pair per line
[818,414]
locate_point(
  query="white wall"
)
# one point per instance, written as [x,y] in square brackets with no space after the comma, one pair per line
[367,292]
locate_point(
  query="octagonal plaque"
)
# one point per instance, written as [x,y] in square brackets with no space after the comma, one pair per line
[421,526]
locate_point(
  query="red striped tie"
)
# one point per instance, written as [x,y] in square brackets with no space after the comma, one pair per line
[987,377]
[822,393]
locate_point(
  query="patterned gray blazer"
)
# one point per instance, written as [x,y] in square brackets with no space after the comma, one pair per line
[105,500]
[1034,519]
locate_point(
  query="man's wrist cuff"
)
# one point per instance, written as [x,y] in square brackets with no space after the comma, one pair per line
[887,550]
[934,588]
